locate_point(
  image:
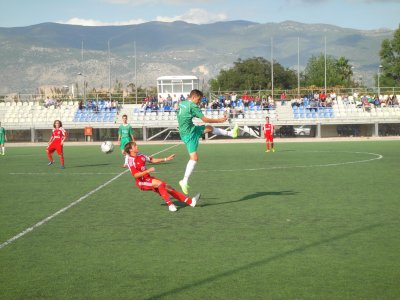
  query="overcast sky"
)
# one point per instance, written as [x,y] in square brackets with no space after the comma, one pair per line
[358,14]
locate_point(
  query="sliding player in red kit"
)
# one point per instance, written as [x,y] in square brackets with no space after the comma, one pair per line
[56,143]
[146,182]
[269,135]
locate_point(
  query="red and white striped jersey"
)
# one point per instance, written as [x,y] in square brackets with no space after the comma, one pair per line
[137,164]
[268,129]
[58,134]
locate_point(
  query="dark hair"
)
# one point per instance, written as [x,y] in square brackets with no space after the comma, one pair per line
[125,116]
[54,123]
[128,146]
[196,93]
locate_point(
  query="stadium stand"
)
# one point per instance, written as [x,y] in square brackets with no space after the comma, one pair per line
[344,110]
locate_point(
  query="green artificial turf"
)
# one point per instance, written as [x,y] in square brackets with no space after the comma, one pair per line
[310,221]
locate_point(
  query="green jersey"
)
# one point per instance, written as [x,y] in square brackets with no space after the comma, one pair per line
[2,135]
[187,110]
[125,131]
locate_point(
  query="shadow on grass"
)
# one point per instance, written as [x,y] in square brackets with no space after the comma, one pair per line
[253,196]
[265,261]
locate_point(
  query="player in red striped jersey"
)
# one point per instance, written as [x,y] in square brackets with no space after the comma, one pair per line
[56,143]
[268,129]
[146,182]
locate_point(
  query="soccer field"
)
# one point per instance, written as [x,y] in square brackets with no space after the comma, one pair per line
[310,221]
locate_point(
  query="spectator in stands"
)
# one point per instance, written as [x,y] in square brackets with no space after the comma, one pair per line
[365,104]
[215,104]
[389,100]
[107,105]
[395,101]
[377,102]
[283,98]
[80,105]
[167,107]
[154,106]
[322,96]
[48,102]
[114,105]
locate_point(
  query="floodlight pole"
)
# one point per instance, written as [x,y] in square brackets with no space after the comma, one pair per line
[272,68]
[379,76]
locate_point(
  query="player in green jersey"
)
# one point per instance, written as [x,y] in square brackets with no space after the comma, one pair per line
[190,133]
[125,135]
[3,138]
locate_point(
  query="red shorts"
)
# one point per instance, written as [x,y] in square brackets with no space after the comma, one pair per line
[147,185]
[55,147]
[269,138]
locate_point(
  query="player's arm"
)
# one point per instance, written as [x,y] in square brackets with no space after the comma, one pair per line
[219,120]
[160,160]
[51,139]
[141,174]
[64,137]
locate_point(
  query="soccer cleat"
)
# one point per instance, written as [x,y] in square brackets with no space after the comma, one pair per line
[273,150]
[267,151]
[62,167]
[184,187]
[195,199]
[172,207]
[246,129]
[50,163]
[235,131]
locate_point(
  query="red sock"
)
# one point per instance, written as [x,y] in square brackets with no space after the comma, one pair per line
[49,156]
[163,192]
[62,160]
[179,196]
[268,146]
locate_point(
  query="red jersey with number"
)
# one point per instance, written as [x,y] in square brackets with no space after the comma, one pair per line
[58,134]
[268,129]
[137,164]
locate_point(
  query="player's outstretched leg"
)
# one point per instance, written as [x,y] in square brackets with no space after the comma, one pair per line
[179,196]
[162,189]
[233,133]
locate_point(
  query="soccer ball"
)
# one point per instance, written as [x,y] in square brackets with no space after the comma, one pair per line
[107,147]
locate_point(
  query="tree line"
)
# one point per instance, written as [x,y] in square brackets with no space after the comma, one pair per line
[255,73]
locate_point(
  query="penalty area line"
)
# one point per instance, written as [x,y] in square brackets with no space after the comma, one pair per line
[44,221]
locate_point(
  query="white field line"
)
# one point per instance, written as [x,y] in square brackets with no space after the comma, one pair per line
[44,221]
[377,156]
[64,173]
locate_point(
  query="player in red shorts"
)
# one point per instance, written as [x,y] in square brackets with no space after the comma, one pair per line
[146,182]
[268,129]
[56,143]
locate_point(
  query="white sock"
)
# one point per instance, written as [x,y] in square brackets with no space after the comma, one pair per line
[219,131]
[3,149]
[189,169]
[126,160]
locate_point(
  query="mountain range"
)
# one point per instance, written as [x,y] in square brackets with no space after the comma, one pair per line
[52,54]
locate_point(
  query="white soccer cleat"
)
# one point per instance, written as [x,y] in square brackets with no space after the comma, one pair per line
[172,207]
[246,129]
[195,199]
